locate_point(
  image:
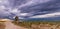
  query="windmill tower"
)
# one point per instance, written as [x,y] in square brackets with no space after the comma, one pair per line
[16,20]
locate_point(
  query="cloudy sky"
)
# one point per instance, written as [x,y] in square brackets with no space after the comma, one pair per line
[29,8]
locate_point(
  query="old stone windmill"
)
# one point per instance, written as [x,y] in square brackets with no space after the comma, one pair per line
[16,19]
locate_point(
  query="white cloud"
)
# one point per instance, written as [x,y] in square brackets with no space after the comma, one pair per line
[2,7]
[3,12]
[4,2]
[26,4]
[47,15]
[24,14]
[15,10]
[41,1]
[0,1]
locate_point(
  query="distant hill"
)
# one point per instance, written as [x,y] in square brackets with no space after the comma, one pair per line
[43,19]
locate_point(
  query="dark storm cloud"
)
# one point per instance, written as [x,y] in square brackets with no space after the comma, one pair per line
[38,9]
[16,3]
[28,8]
[50,6]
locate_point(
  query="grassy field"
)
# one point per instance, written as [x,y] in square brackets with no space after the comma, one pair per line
[38,25]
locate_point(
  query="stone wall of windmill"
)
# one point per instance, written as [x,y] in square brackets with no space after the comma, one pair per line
[16,19]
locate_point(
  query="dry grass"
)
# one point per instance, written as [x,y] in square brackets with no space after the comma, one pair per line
[39,25]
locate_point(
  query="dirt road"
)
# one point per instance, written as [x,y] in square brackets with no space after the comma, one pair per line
[10,25]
